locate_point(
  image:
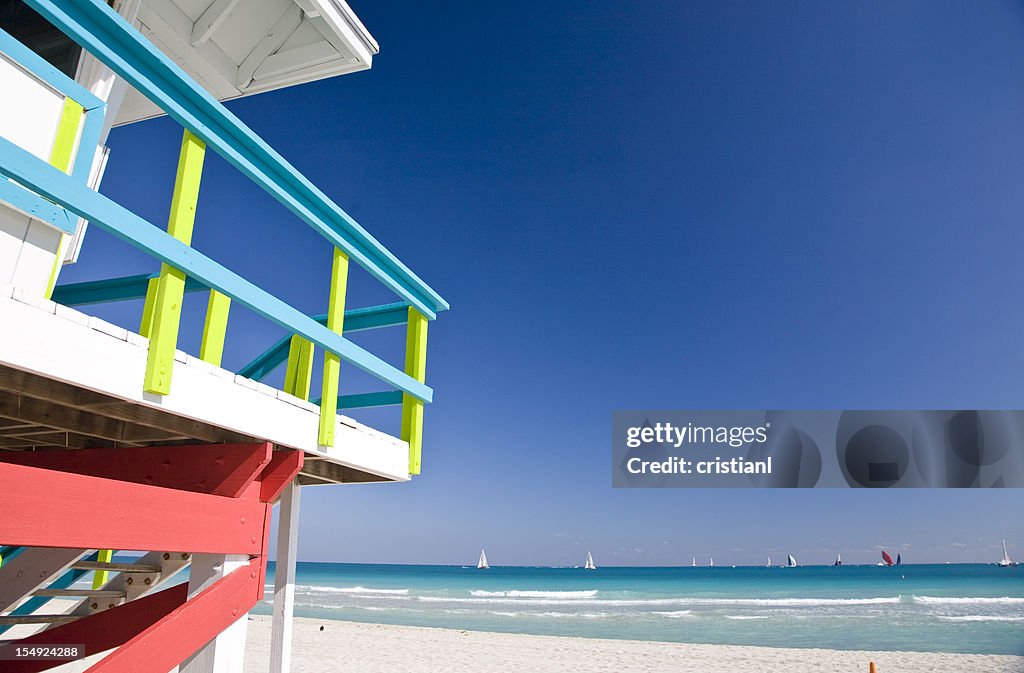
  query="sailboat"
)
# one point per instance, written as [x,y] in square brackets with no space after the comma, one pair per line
[769,562]
[711,564]
[482,563]
[886,559]
[839,560]
[899,559]
[693,564]
[790,561]
[1006,561]
[589,565]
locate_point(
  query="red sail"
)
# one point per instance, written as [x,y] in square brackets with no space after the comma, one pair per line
[886,558]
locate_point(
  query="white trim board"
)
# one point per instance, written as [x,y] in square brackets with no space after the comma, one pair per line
[60,343]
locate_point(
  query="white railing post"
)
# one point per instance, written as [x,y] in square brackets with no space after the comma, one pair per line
[284,580]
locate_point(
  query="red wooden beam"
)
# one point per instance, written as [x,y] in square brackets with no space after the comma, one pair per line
[181,633]
[103,630]
[219,469]
[283,467]
[155,633]
[58,509]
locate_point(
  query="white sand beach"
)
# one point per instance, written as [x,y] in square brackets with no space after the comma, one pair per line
[379,648]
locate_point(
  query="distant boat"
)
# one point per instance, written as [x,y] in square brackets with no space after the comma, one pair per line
[899,559]
[769,562]
[482,563]
[886,558]
[712,562]
[790,561]
[839,560]
[589,565]
[1006,561]
[693,564]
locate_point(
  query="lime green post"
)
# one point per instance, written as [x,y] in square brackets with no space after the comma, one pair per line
[215,328]
[60,157]
[416,367]
[99,578]
[146,326]
[332,364]
[299,372]
[170,287]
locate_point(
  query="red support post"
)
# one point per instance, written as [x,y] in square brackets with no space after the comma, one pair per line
[283,467]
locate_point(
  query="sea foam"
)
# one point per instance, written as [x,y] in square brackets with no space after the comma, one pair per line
[963,600]
[353,590]
[517,593]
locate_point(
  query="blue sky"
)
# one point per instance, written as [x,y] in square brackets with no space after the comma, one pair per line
[646,205]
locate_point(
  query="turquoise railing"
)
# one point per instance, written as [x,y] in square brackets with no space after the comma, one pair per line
[209,125]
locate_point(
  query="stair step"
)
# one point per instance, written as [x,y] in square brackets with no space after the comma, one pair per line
[81,593]
[14,620]
[116,567]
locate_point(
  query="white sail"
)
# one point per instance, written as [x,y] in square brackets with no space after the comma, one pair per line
[839,560]
[1006,561]
[791,562]
[482,563]
[694,562]
[589,565]
[712,563]
[769,565]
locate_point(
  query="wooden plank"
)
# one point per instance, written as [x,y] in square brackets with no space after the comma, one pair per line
[283,467]
[215,328]
[41,387]
[134,585]
[60,158]
[175,425]
[270,43]
[100,577]
[284,580]
[326,472]
[72,419]
[104,630]
[26,430]
[7,423]
[416,367]
[356,320]
[15,620]
[83,593]
[31,570]
[226,651]
[211,20]
[110,290]
[191,626]
[12,444]
[170,289]
[92,512]
[218,469]
[149,307]
[332,363]
[299,372]
[110,566]
[58,439]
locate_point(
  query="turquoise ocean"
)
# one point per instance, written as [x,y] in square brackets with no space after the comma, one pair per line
[973,608]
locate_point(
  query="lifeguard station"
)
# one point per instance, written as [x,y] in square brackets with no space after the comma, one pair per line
[115,439]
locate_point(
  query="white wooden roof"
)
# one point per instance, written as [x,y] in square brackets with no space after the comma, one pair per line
[241,47]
